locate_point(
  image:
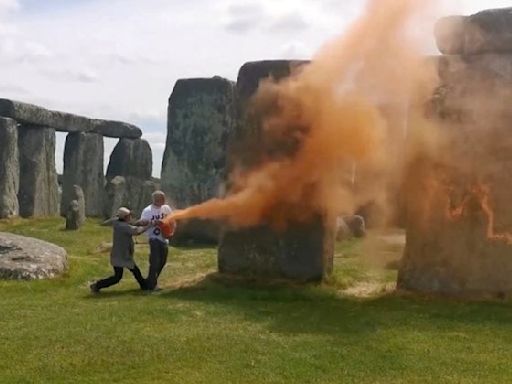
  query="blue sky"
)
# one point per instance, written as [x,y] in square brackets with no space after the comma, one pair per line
[119,59]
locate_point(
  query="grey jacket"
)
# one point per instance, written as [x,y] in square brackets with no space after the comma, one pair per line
[122,244]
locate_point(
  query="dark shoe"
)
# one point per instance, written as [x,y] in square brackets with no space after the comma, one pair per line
[150,291]
[94,289]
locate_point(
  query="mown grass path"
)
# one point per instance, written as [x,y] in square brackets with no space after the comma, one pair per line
[203,329]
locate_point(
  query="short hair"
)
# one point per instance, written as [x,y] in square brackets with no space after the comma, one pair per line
[158,193]
[123,212]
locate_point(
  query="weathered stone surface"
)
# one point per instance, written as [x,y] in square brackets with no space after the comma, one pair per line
[201,115]
[75,214]
[25,258]
[196,232]
[459,217]
[472,87]
[253,72]
[350,226]
[247,130]
[115,193]
[343,232]
[129,192]
[38,190]
[356,225]
[455,255]
[116,129]
[67,122]
[131,158]
[302,252]
[138,194]
[9,169]
[83,166]
[488,31]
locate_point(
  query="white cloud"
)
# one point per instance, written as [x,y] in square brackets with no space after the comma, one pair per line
[84,75]
[290,23]
[13,89]
[7,6]
[242,18]
[157,139]
[295,50]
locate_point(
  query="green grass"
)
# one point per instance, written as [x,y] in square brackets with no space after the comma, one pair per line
[211,330]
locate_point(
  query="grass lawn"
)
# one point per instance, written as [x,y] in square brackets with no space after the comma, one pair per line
[203,329]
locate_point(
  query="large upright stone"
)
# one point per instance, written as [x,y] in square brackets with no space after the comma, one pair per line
[9,169]
[83,166]
[38,191]
[66,122]
[131,158]
[127,192]
[459,217]
[115,196]
[488,31]
[199,120]
[247,130]
[132,161]
[302,251]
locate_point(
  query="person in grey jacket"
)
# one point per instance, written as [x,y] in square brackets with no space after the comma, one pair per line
[121,255]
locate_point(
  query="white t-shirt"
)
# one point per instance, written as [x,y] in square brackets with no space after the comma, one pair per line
[153,213]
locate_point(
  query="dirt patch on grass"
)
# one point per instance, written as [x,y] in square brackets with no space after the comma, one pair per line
[366,289]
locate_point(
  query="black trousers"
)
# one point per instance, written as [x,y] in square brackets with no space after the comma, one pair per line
[158,252]
[118,275]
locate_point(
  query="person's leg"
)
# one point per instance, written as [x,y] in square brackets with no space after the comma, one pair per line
[109,281]
[154,263]
[163,252]
[138,276]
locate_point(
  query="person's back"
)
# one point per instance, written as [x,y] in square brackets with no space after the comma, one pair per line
[122,251]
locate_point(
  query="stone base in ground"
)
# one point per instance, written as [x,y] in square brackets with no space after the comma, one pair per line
[302,252]
[26,258]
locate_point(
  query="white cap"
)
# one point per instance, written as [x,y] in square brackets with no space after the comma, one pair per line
[123,212]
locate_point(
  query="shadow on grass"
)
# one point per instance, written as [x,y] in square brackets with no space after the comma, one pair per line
[315,309]
[106,294]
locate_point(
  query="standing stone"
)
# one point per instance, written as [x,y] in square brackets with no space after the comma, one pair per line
[302,251]
[299,253]
[145,196]
[115,196]
[10,168]
[489,31]
[459,216]
[199,121]
[356,224]
[75,214]
[131,159]
[83,166]
[343,232]
[38,190]
[247,130]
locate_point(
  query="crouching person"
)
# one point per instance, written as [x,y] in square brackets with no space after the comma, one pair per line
[122,252]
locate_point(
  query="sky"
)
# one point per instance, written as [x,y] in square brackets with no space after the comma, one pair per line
[119,59]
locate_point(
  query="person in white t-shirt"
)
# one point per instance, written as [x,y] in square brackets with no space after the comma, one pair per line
[158,244]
